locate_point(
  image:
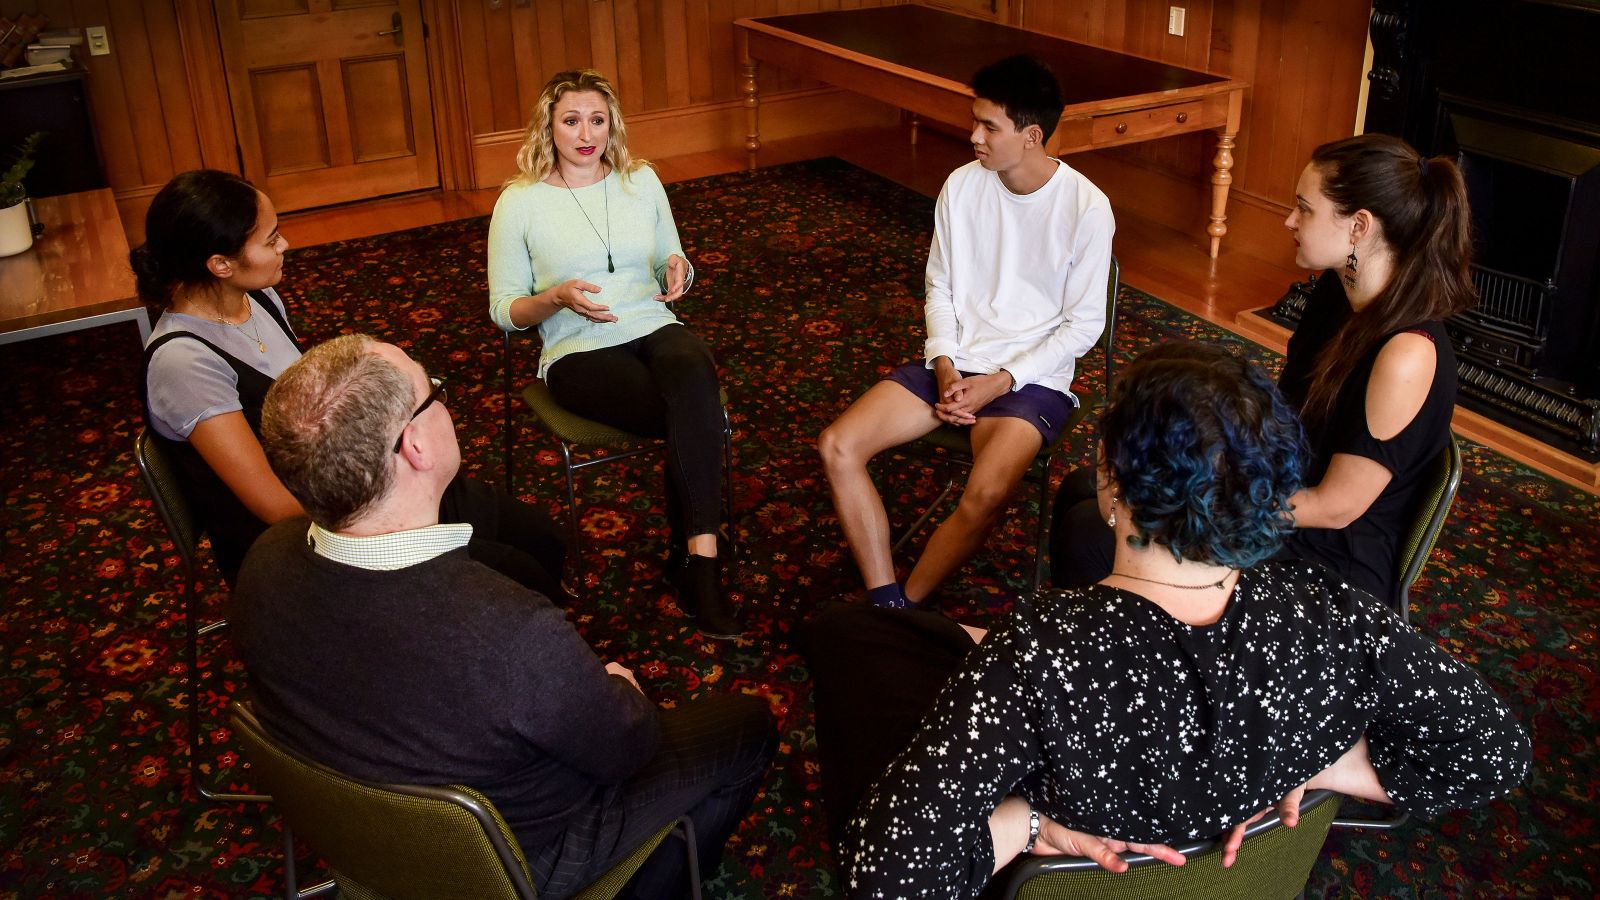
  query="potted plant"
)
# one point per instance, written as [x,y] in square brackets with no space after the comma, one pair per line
[16,226]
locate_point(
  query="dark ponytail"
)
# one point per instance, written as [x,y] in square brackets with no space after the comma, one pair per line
[1421,204]
[195,216]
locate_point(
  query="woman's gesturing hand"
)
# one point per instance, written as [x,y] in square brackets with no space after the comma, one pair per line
[677,278]
[573,295]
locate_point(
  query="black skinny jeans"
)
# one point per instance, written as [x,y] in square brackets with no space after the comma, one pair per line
[662,385]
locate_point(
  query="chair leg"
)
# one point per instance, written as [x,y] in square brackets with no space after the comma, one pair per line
[505,414]
[685,828]
[291,886]
[923,519]
[575,551]
[191,603]
[1041,531]
[727,483]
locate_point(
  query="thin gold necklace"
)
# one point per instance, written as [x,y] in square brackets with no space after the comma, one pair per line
[252,334]
[610,267]
[1184,587]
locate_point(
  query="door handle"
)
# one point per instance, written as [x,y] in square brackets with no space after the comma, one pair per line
[396,29]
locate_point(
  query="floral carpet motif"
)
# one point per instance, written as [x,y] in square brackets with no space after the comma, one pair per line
[810,278]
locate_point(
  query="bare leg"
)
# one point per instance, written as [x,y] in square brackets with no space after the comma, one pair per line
[1002,450]
[886,416]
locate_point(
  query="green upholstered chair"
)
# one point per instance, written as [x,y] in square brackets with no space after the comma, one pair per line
[1433,503]
[1274,862]
[161,475]
[574,433]
[948,442]
[410,842]
[1432,506]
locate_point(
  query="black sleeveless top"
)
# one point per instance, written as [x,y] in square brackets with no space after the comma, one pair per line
[222,516]
[1365,551]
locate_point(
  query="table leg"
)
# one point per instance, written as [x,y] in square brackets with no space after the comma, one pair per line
[915,121]
[752,108]
[1221,180]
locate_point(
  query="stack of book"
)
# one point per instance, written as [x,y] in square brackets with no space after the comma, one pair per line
[53,46]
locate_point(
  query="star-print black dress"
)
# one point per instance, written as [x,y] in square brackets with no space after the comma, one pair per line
[1115,719]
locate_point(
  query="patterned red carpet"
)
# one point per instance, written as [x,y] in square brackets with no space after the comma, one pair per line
[810,279]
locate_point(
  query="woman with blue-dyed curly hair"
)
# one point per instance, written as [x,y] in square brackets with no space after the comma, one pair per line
[1173,700]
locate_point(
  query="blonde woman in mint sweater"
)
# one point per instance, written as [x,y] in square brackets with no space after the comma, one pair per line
[582,245]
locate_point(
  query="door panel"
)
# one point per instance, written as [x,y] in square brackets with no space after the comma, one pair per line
[330,98]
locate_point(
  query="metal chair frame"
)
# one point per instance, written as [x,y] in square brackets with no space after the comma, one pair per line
[482,812]
[955,445]
[172,505]
[623,449]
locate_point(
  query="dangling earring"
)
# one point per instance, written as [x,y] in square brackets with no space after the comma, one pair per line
[1350,268]
[1111,520]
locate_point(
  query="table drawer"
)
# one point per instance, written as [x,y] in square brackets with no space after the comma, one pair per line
[1143,124]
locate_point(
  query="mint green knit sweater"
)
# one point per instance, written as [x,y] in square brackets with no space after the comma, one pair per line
[539,237]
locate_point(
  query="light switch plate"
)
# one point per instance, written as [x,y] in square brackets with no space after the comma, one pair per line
[99,44]
[1175,17]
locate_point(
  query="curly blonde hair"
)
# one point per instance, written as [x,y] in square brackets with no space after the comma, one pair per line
[537,157]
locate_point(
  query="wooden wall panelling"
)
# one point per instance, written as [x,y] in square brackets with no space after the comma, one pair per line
[207,82]
[629,77]
[476,78]
[451,126]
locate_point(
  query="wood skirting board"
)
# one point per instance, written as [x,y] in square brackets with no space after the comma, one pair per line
[1474,426]
[706,127]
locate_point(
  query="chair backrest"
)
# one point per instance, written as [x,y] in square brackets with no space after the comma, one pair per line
[1433,501]
[162,476]
[389,841]
[1108,340]
[1273,863]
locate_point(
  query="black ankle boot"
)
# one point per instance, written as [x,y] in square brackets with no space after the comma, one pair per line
[700,597]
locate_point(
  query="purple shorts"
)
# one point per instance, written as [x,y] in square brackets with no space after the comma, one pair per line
[1035,404]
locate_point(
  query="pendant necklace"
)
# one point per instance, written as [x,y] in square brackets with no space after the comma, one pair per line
[610,267]
[252,334]
[1186,587]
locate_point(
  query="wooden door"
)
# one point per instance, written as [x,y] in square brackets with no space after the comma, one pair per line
[330,98]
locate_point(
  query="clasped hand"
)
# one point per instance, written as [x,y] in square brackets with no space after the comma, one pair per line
[961,397]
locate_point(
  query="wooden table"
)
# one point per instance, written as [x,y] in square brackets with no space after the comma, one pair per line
[920,59]
[75,276]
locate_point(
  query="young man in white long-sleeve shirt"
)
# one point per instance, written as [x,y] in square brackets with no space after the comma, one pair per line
[1015,294]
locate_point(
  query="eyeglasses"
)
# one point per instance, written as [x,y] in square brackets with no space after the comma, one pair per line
[436,395]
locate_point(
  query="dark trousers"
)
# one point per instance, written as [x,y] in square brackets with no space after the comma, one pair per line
[1082,546]
[875,674]
[713,756]
[662,385]
[517,540]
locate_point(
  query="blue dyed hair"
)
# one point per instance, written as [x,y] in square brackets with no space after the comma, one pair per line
[1205,452]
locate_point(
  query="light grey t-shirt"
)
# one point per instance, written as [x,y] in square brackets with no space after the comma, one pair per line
[188,383]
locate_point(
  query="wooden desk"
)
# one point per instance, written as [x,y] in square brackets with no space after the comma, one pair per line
[75,276]
[920,59]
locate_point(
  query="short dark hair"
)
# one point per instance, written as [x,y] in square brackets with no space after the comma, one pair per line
[1025,88]
[1205,453]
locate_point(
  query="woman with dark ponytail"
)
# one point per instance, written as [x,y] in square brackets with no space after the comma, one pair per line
[211,257]
[1370,367]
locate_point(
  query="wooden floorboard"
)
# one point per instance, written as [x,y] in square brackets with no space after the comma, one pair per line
[1156,259]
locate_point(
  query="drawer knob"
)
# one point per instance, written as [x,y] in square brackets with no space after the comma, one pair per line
[1183,117]
[1122,128]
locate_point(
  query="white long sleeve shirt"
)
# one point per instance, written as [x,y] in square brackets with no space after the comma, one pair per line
[1018,282]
